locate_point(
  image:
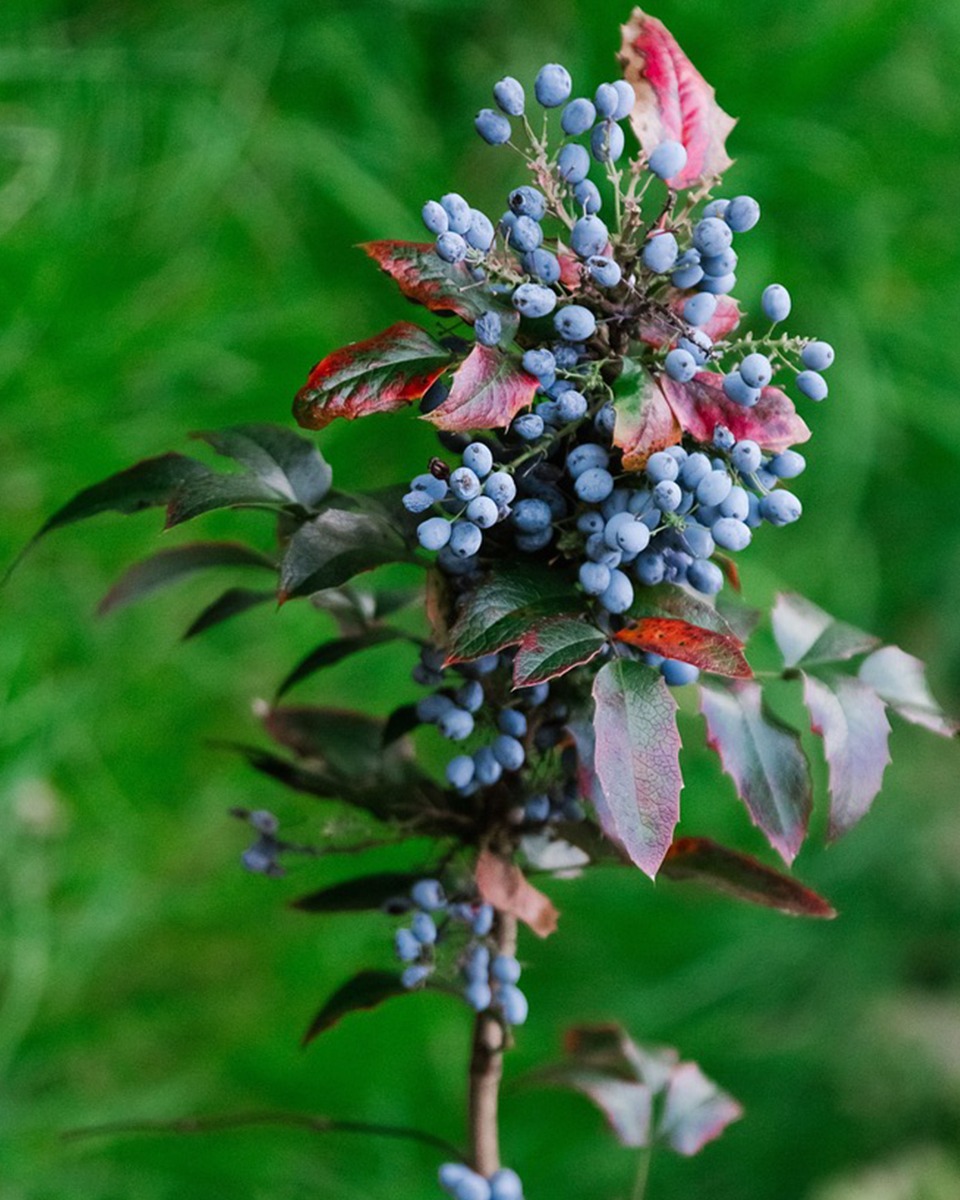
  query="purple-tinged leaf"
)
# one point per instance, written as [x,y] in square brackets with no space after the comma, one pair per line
[720,653]
[701,406]
[808,636]
[389,890]
[289,464]
[645,421]
[695,1111]
[674,101]
[367,990]
[704,861]
[232,603]
[852,720]
[663,326]
[502,884]
[900,679]
[489,388]
[501,610]
[553,646]
[167,566]
[669,600]
[332,548]
[764,759]
[332,652]
[382,374]
[626,1106]
[636,761]
[423,276]
[742,618]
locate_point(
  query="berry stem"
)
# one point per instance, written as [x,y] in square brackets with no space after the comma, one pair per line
[486,1070]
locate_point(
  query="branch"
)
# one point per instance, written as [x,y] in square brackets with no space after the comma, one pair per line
[244,1120]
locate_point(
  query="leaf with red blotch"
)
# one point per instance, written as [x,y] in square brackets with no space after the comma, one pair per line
[764,759]
[636,761]
[674,101]
[645,421]
[423,276]
[899,678]
[701,406]
[716,652]
[489,388]
[382,374]
[502,884]
[662,329]
[852,720]
[695,1111]
[553,646]
[368,989]
[704,861]
[806,635]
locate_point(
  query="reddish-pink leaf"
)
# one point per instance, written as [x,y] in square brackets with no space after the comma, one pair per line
[423,276]
[571,268]
[806,635]
[899,678]
[636,761]
[741,876]
[645,421]
[764,759]
[660,329]
[489,388]
[696,1111]
[852,720]
[701,405]
[674,101]
[381,374]
[502,884]
[716,652]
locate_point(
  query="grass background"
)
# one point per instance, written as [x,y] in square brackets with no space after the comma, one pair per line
[180,189]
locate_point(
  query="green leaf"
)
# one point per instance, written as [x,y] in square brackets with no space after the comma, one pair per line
[554,646]
[336,651]
[808,636]
[350,742]
[636,761]
[704,861]
[168,566]
[852,720]
[504,607]
[382,374]
[900,679]
[364,991]
[287,463]
[765,760]
[211,490]
[645,421]
[332,548]
[360,894]
[232,603]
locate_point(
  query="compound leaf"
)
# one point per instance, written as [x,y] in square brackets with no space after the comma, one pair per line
[367,990]
[900,679]
[333,547]
[717,652]
[423,276]
[502,609]
[553,646]
[334,651]
[808,636]
[287,463]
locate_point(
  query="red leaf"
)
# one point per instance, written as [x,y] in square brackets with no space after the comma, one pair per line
[489,389]
[701,405]
[423,276]
[645,421]
[852,720]
[716,652]
[674,101]
[504,885]
[739,875]
[381,374]
[660,330]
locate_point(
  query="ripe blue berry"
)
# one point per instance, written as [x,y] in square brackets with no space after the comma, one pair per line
[593,485]
[435,217]
[698,309]
[688,272]
[477,966]
[818,356]
[479,997]
[618,595]
[528,427]
[458,212]
[508,752]
[505,968]
[781,507]
[667,496]
[718,285]
[531,515]
[756,371]
[460,771]
[573,163]
[552,85]
[775,302]
[705,576]
[423,928]
[731,534]
[812,385]
[668,159]
[457,724]
[526,201]
[698,540]
[413,976]
[716,208]
[531,300]
[451,247]
[483,920]
[482,512]
[680,365]
[508,94]
[478,458]
[577,117]
[742,213]
[513,1004]
[660,253]
[594,578]
[492,126]
[650,568]
[500,488]
[525,235]
[718,265]
[694,467]
[464,483]
[589,236]
[513,722]
[488,328]
[417,502]
[481,233]
[488,770]
[542,264]
[406,945]
[470,695]
[606,142]
[607,99]
[626,99]
[572,406]
[739,391]
[677,673]
[465,539]
[788,464]
[585,456]
[605,271]
[714,488]
[575,323]
[711,235]
[662,466]
[428,894]
[624,532]
[746,456]
[434,533]
[587,196]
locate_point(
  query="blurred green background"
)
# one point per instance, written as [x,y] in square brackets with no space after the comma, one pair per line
[180,188]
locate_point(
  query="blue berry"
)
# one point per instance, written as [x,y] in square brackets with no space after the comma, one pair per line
[736,388]
[424,929]
[488,328]
[482,512]
[538,362]
[737,503]
[457,724]
[451,247]
[537,809]
[705,576]
[698,309]
[513,722]
[470,695]
[587,196]
[435,217]
[720,264]
[590,522]
[605,422]
[660,253]
[605,271]
[577,117]
[606,142]
[585,456]
[434,533]
[788,464]
[552,85]
[573,163]
[526,201]
[662,466]
[464,483]
[483,920]
[716,208]
[746,456]
[505,968]
[775,302]
[818,356]
[428,894]
[667,496]
[417,502]
[571,406]
[478,995]
[594,578]
[508,94]
[593,485]
[756,371]
[731,534]
[589,236]
[694,468]
[742,213]
[714,488]
[607,99]
[406,945]
[718,285]
[526,234]
[488,770]
[781,507]
[465,539]
[711,235]
[412,977]
[650,568]
[460,771]
[478,458]
[492,126]
[624,532]
[458,212]
[626,99]
[532,300]
[481,233]
[509,752]
[698,540]
[688,271]
[723,439]
[668,159]
[618,595]
[543,265]
[575,323]
[680,365]
[477,966]
[513,1004]
[677,673]
[500,488]
[532,515]
[812,385]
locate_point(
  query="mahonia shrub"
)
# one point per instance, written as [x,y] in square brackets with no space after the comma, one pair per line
[611,435]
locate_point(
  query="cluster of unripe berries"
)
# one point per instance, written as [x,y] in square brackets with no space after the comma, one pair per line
[463,1184]
[489,980]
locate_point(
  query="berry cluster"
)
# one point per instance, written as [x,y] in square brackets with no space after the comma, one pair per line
[263,857]
[463,1184]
